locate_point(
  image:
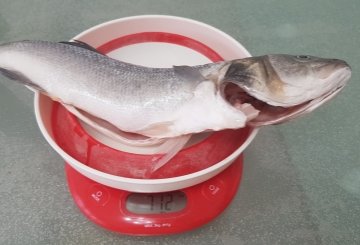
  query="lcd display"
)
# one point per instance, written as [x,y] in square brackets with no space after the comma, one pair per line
[156,203]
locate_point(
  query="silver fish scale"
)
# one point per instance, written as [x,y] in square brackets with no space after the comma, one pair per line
[110,81]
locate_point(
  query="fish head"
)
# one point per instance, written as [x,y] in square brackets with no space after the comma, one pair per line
[302,78]
[282,87]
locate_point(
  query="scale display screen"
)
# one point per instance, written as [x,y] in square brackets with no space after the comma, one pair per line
[156,203]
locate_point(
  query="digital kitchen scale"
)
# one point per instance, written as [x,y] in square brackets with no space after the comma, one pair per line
[155,213]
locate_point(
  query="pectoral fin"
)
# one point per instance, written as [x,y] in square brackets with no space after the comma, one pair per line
[156,129]
[109,130]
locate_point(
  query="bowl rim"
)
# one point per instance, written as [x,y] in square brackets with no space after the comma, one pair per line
[165,17]
[114,178]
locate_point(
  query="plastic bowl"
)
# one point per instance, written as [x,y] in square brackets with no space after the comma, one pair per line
[156,41]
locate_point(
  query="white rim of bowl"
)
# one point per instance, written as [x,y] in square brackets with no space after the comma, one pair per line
[230,38]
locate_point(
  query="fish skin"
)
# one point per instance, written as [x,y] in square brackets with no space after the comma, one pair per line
[133,98]
[169,102]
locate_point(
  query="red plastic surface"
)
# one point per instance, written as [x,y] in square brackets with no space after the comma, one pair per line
[73,139]
[76,142]
[164,37]
[106,206]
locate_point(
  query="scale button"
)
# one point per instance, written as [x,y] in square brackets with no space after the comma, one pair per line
[213,188]
[99,195]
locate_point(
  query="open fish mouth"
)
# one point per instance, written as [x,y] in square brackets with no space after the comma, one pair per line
[261,114]
[271,115]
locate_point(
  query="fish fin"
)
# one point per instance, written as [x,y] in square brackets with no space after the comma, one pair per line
[18,76]
[170,147]
[109,130]
[189,73]
[81,44]
[156,129]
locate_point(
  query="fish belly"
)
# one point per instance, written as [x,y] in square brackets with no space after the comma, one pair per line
[207,110]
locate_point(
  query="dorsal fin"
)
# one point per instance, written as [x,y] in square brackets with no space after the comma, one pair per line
[189,73]
[81,44]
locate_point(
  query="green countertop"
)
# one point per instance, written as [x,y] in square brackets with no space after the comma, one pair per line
[301,181]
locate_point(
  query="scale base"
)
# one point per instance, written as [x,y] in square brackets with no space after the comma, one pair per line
[106,206]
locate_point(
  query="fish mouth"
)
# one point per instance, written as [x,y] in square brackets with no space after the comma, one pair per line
[260,113]
[271,115]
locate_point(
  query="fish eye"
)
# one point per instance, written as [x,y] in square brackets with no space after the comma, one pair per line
[303,57]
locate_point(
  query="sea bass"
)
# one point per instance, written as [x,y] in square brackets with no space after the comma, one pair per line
[182,100]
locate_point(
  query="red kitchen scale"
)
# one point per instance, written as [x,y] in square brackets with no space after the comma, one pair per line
[154,213]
